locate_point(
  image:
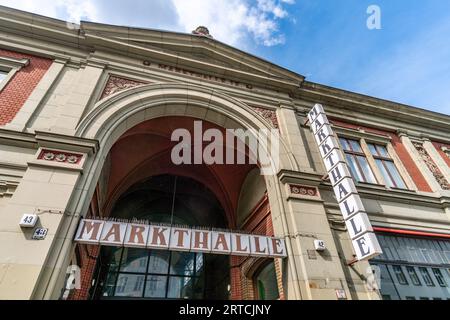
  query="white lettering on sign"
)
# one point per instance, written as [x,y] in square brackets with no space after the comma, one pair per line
[138,235]
[364,241]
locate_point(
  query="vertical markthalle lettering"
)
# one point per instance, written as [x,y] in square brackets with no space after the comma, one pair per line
[364,241]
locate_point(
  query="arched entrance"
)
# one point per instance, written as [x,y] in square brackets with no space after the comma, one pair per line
[158,274]
[120,119]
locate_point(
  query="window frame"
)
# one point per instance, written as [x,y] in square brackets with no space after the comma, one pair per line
[425,273]
[147,273]
[399,268]
[354,154]
[383,160]
[364,138]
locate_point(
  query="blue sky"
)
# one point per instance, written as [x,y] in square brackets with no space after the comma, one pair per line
[327,41]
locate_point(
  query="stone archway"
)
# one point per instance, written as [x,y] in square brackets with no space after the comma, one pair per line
[113,116]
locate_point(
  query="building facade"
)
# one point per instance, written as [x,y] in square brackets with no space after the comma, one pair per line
[86,118]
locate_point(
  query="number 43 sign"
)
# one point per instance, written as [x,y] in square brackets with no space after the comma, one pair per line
[40,233]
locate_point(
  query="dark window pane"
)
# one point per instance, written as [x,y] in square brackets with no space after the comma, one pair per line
[439,277]
[182,263]
[155,286]
[366,170]
[400,275]
[382,151]
[373,149]
[266,282]
[356,147]
[159,262]
[180,287]
[410,298]
[356,173]
[130,285]
[134,260]
[426,277]
[3,75]
[384,172]
[395,175]
[199,263]
[112,255]
[413,276]
[344,144]
[109,285]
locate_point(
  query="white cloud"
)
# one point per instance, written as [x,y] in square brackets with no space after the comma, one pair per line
[232,21]
[70,10]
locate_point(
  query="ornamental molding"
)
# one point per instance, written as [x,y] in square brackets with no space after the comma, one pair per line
[269,115]
[437,173]
[303,191]
[7,188]
[60,157]
[117,84]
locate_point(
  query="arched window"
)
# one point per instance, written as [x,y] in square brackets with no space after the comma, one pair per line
[266,283]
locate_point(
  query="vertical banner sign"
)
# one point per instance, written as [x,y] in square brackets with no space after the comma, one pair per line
[364,241]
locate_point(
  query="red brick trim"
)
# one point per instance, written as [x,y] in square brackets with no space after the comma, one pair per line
[19,88]
[444,156]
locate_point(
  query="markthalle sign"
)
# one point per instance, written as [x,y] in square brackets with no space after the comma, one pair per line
[174,238]
[364,240]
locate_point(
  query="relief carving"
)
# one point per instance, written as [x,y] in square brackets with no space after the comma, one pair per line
[116,84]
[437,173]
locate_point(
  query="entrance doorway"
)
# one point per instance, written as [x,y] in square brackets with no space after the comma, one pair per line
[128,273]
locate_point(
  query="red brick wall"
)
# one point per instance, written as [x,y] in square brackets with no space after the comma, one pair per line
[88,262]
[20,87]
[259,222]
[401,151]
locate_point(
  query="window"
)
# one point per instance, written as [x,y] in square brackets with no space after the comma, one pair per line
[155,274]
[413,276]
[357,161]
[386,166]
[426,277]
[400,275]
[266,283]
[439,277]
[424,298]
[3,75]
[410,298]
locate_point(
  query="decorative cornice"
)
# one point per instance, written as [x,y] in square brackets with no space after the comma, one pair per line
[400,196]
[64,142]
[14,63]
[304,192]
[302,178]
[361,134]
[60,156]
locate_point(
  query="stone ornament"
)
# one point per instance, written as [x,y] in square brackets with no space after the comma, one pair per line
[117,84]
[60,157]
[269,115]
[304,190]
[443,183]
